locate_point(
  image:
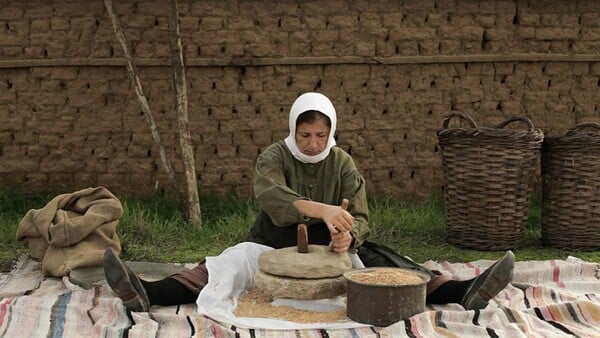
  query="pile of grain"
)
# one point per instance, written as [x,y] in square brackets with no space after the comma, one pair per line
[386,277]
[255,303]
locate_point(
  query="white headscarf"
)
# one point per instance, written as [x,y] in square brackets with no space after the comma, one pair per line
[306,102]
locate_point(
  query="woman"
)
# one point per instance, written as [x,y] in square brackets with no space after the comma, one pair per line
[306,179]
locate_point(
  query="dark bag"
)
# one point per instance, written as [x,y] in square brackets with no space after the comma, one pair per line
[373,255]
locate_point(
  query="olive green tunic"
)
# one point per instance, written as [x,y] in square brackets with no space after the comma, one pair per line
[280,179]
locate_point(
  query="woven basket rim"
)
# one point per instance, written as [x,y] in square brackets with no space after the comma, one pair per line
[486,131]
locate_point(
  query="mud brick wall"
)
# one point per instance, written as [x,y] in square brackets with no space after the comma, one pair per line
[69,117]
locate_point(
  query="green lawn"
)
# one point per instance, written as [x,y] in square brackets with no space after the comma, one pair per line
[152,229]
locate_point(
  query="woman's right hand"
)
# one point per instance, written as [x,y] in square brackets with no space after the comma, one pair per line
[341,241]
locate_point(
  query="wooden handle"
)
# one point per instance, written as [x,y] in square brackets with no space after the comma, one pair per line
[344,206]
[302,238]
[345,203]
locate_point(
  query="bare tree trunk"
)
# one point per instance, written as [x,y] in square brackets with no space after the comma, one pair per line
[137,85]
[187,152]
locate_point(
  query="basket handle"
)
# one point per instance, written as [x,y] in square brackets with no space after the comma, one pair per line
[515,119]
[578,127]
[462,116]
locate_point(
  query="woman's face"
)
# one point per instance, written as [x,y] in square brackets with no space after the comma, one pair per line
[311,137]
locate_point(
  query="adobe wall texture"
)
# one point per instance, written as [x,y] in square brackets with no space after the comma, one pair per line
[69,117]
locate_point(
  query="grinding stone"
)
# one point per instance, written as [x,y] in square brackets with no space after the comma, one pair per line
[319,262]
[298,288]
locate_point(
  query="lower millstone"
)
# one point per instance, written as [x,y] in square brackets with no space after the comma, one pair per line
[300,288]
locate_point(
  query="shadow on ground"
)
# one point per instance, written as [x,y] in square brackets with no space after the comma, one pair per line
[6,265]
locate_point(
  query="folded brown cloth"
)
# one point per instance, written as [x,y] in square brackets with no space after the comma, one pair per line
[72,230]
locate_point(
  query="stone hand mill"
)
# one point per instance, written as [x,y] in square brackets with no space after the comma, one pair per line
[305,271]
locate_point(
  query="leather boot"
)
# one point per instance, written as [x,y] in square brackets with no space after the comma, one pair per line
[125,283]
[487,285]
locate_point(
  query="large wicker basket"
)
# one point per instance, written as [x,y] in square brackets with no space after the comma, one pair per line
[489,174]
[571,189]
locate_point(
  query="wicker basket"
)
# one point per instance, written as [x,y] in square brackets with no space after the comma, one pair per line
[489,174]
[571,189]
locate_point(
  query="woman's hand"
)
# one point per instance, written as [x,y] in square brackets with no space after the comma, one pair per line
[338,221]
[341,238]
[341,241]
[337,218]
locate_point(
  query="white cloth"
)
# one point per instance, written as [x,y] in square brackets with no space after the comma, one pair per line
[232,273]
[306,102]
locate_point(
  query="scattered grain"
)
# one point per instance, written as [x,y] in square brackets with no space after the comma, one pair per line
[255,303]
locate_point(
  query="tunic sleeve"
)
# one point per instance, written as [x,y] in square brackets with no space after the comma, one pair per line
[271,189]
[353,188]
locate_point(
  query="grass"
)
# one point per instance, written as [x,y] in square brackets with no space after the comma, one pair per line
[13,206]
[152,229]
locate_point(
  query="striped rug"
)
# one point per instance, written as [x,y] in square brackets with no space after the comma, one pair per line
[554,298]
